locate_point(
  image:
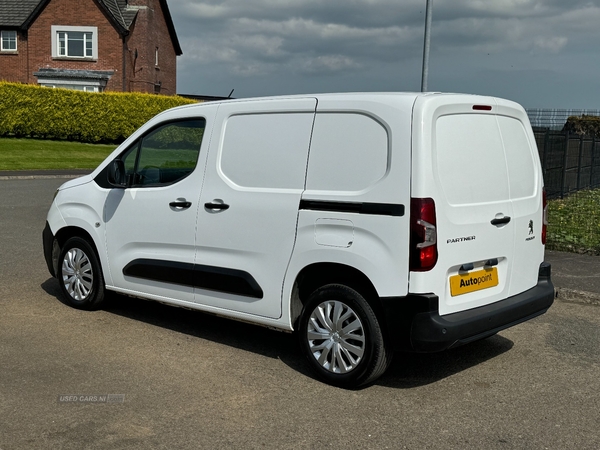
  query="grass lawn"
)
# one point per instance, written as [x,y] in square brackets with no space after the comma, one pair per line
[33,154]
[574,223]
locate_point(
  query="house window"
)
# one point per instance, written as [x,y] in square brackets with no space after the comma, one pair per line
[9,40]
[74,42]
[75,87]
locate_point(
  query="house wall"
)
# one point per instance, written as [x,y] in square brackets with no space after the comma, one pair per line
[13,66]
[75,13]
[149,32]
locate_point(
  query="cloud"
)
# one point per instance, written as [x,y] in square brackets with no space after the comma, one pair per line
[553,44]
[329,64]
[268,46]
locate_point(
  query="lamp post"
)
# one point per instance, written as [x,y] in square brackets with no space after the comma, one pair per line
[426,44]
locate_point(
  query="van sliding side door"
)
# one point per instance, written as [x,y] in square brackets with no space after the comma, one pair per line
[249,206]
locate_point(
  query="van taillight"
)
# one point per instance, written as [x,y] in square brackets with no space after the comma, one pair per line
[423,235]
[544,216]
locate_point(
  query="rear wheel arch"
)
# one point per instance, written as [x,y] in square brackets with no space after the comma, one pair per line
[342,338]
[317,275]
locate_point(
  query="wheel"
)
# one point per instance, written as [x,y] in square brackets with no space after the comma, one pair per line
[79,274]
[341,337]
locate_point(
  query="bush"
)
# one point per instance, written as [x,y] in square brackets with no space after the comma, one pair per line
[109,117]
[584,125]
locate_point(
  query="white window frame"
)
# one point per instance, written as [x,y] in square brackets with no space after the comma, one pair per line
[56,29]
[78,85]
[5,39]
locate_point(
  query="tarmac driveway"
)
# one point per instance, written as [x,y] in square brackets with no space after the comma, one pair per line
[144,375]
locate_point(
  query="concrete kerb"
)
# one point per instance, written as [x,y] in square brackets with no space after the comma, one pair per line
[43,174]
[572,295]
[37,177]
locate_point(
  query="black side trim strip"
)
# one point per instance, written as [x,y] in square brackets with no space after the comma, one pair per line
[48,243]
[212,278]
[378,209]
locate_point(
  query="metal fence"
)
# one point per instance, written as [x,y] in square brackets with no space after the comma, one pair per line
[570,162]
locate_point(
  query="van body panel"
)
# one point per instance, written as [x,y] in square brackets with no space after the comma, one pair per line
[479,165]
[257,166]
[148,240]
[285,186]
[367,251]
[141,225]
[526,191]
[360,130]
[80,205]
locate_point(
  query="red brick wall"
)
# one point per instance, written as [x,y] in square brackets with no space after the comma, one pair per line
[13,66]
[75,13]
[149,32]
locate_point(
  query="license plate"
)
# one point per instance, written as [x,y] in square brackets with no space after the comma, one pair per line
[473,281]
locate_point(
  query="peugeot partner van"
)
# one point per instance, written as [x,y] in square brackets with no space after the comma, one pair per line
[366,223]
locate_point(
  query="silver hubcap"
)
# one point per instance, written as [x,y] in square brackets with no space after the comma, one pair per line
[77,274]
[336,336]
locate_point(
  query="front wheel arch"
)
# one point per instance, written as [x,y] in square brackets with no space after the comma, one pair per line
[66,233]
[79,273]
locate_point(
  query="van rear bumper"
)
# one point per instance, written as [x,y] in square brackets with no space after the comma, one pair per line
[414,323]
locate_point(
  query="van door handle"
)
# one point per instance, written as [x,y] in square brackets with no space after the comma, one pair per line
[501,221]
[216,206]
[180,204]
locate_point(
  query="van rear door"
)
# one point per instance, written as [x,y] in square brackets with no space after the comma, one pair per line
[476,157]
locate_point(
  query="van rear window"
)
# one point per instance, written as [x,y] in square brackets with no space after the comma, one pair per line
[483,158]
[519,158]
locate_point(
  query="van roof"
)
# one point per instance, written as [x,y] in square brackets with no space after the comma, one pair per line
[347,95]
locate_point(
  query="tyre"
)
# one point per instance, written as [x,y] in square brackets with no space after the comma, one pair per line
[80,275]
[341,337]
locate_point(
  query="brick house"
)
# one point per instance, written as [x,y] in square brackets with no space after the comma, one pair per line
[91,45]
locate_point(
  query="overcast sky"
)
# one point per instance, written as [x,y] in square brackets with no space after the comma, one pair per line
[540,53]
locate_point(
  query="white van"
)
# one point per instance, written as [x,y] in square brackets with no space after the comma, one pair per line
[367,223]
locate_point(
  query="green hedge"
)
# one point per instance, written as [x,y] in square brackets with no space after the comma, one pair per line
[109,117]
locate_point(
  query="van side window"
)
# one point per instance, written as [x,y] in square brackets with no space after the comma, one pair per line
[129,159]
[266,150]
[165,155]
[349,152]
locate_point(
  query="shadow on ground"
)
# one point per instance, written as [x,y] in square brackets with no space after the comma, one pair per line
[408,370]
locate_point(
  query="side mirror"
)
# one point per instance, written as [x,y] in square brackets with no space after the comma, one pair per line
[116,174]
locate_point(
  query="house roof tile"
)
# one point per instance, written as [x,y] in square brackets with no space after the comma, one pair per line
[118,9]
[14,13]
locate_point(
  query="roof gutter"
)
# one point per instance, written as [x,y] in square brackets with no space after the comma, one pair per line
[171,27]
[124,68]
